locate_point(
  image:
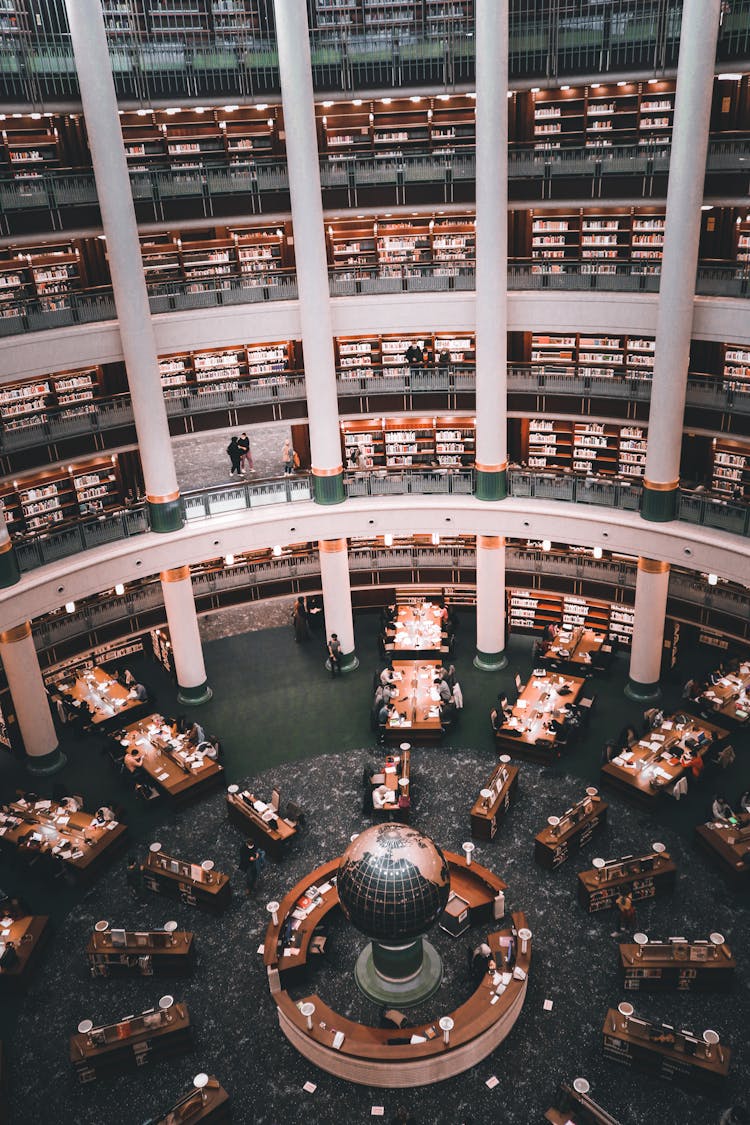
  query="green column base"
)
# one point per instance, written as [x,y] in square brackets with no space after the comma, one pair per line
[401,976]
[165,517]
[490,661]
[491,486]
[349,662]
[194,696]
[659,507]
[46,764]
[329,490]
[642,693]
[9,572]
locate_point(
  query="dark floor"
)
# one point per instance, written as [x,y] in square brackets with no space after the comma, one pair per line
[284,721]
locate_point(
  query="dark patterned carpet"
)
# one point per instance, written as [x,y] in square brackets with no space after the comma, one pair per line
[236,1034]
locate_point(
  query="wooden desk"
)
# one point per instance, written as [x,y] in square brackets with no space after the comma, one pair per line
[243,815]
[416,633]
[525,735]
[188,882]
[665,1052]
[577,1109]
[99,694]
[117,953]
[576,648]
[395,767]
[729,699]
[684,966]
[28,935]
[644,772]
[417,703]
[66,837]
[386,1057]
[641,877]
[475,884]
[209,1104]
[487,815]
[729,846]
[171,763]
[131,1043]
[577,826]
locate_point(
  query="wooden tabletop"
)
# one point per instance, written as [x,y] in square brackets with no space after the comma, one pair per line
[729,698]
[162,865]
[68,836]
[417,702]
[539,702]
[641,1033]
[170,761]
[146,944]
[244,803]
[572,821]
[576,646]
[731,842]
[417,628]
[659,760]
[106,698]
[108,1037]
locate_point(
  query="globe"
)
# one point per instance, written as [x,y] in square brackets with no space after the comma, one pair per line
[393,882]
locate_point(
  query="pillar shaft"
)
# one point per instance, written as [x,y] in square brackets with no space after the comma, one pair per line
[337,598]
[9,572]
[124,253]
[184,636]
[490,655]
[492,247]
[292,36]
[674,322]
[651,588]
[30,701]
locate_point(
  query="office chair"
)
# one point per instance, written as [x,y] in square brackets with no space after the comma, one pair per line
[295,815]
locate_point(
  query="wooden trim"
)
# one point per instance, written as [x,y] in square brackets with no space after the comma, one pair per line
[500,468]
[331,546]
[658,486]
[5,546]
[335,472]
[652,566]
[168,498]
[491,542]
[178,574]
[16,634]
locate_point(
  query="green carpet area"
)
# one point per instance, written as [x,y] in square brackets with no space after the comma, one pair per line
[275,702]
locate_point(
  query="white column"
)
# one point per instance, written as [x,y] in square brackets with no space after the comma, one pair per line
[492,248]
[184,636]
[124,253]
[292,37]
[651,589]
[337,598]
[674,322]
[9,572]
[490,655]
[30,702]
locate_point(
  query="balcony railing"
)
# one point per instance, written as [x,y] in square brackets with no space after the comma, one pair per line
[427,482]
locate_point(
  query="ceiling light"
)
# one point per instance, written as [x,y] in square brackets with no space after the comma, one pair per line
[435,539]
[707,207]
[444,97]
[415,98]
[622,83]
[229,560]
[143,113]
[596,85]
[388,539]
[230,108]
[386,101]
[535,89]
[357,101]
[263,105]
[171,112]
[199,109]
[729,77]
[597,552]
[70,607]
[652,81]
[713,579]
[119,589]
[546,545]
[565,87]
[277,550]
[327,105]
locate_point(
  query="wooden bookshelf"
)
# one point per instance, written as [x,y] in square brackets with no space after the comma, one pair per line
[42,501]
[380,17]
[590,356]
[403,443]
[252,254]
[26,404]
[600,115]
[367,436]
[392,247]
[731,469]
[187,138]
[736,366]
[391,126]
[549,443]
[226,369]
[595,447]
[455,442]
[530,611]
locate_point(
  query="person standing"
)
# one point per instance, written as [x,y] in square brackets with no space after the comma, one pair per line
[235,456]
[624,904]
[246,460]
[287,456]
[334,654]
[299,621]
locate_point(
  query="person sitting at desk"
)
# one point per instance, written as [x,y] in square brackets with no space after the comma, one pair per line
[627,737]
[478,960]
[196,734]
[72,804]
[383,797]
[693,762]
[133,759]
[8,957]
[211,748]
[444,690]
[178,726]
[139,692]
[126,678]
[721,809]
[386,712]
[448,713]
[387,676]
[102,816]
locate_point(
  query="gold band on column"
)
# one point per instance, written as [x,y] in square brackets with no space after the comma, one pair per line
[5,546]
[490,542]
[657,486]
[500,468]
[328,472]
[178,574]
[331,546]
[16,634]
[168,498]
[652,566]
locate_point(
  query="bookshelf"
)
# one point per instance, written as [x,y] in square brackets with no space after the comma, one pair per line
[595,447]
[742,240]
[601,115]
[647,242]
[226,369]
[447,442]
[253,254]
[44,500]
[455,443]
[25,404]
[632,451]
[621,618]
[220,370]
[367,436]
[392,247]
[185,139]
[174,371]
[736,368]
[355,358]
[586,447]
[592,356]
[530,611]
[601,356]
[97,489]
[550,444]
[378,127]
[731,469]
[409,442]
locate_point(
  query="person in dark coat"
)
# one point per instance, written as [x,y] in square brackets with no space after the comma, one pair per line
[235,456]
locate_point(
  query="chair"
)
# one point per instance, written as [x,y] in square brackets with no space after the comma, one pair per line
[294,815]
[391,1017]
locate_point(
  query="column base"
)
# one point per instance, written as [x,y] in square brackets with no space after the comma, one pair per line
[9,572]
[349,662]
[417,985]
[194,696]
[642,693]
[46,764]
[165,516]
[658,506]
[491,486]
[490,661]
[329,489]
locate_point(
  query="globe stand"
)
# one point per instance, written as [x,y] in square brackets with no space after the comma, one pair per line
[404,974]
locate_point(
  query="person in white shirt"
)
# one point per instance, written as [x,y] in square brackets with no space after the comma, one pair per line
[382,796]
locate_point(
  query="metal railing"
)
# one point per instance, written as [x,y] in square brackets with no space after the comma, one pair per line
[427,482]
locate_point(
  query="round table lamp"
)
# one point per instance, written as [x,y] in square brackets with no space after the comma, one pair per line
[445,1023]
[232,789]
[101,927]
[581,1085]
[85,1026]
[468,848]
[273,910]
[308,1010]
[154,848]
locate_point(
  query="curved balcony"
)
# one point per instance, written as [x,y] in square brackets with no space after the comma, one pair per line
[97,306]
[66,198]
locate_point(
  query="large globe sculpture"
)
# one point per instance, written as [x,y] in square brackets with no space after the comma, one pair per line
[393,884]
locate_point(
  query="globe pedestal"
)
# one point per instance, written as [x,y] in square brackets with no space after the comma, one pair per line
[403,974]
